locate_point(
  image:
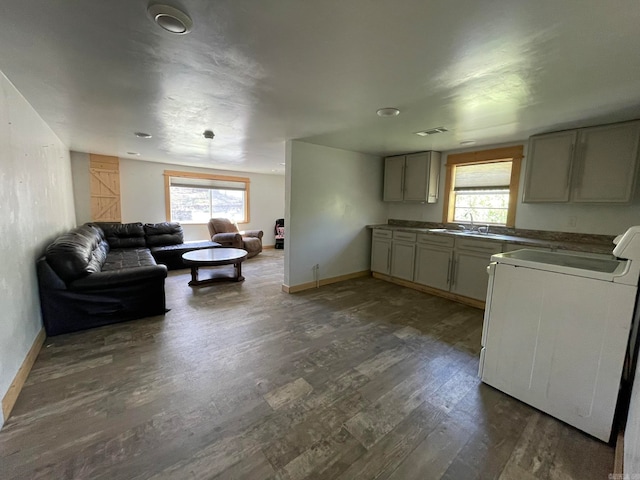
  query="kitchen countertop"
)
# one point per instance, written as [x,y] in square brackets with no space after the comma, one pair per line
[563,241]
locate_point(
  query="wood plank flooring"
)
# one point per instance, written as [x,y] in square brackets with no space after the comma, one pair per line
[357,380]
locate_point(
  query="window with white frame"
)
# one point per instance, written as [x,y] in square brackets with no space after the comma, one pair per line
[195,198]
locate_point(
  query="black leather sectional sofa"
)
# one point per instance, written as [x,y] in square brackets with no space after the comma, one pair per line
[98,274]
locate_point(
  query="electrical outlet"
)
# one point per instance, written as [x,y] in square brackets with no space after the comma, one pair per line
[573,221]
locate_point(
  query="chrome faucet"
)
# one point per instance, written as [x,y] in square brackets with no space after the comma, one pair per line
[470,215]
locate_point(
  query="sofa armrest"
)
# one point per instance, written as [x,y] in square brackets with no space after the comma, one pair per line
[233,239]
[120,277]
[252,233]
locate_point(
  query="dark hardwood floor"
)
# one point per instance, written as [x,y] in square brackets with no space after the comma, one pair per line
[357,380]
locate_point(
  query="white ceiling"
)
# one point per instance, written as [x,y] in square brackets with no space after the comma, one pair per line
[261,72]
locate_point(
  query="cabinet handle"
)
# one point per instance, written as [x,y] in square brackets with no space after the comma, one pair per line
[449,270]
[453,272]
[580,157]
[573,159]
[402,179]
[389,260]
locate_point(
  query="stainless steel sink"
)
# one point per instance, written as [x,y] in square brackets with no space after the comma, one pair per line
[473,233]
[447,230]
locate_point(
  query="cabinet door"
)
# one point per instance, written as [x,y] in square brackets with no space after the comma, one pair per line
[433,184]
[549,164]
[470,277]
[402,260]
[380,255]
[433,266]
[606,163]
[416,177]
[393,179]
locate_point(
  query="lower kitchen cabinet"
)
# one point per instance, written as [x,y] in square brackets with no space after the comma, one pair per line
[403,253]
[434,256]
[456,267]
[381,251]
[433,266]
[469,272]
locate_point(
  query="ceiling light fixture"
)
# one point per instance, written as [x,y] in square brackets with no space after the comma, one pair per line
[170,19]
[283,164]
[142,135]
[133,153]
[208,134]
[388,112]
[431,131]
[468,142]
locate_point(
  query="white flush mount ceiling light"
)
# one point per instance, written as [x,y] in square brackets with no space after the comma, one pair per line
[208,134]
[170,19]
[142,135]
[388,112]
[432,131]
[466,143]
[133,153]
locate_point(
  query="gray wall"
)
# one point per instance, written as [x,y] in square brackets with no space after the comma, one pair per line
[142,195]
[36,204]
[332,195]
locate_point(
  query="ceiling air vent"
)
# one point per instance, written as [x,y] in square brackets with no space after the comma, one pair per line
[432,131]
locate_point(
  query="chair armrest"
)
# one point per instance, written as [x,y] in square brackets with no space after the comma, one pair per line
[252,233]
[233,239]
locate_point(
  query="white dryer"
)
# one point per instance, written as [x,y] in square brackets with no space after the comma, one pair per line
[556,330]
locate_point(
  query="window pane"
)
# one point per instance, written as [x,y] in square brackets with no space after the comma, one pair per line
[190,205]
[227,204]
[488,206]
[198,205]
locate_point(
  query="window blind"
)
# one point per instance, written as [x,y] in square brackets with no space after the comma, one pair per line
[483,176]
[187,182]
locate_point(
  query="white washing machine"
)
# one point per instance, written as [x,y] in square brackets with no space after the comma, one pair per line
[556,330]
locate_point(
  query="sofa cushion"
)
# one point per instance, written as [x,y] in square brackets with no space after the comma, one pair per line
[128,258]
[165,233]
[119,279]
[126,235]
[78,252]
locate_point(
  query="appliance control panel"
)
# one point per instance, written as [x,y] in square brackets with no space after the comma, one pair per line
[627,245]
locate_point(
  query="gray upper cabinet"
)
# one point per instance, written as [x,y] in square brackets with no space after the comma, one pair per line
[608,158]
[588,165]
[549,162]
[412,178]
[394,178]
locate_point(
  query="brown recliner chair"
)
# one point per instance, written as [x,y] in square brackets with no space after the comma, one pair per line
[226,233]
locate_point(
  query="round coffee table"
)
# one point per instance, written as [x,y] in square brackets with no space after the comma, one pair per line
[215,257]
